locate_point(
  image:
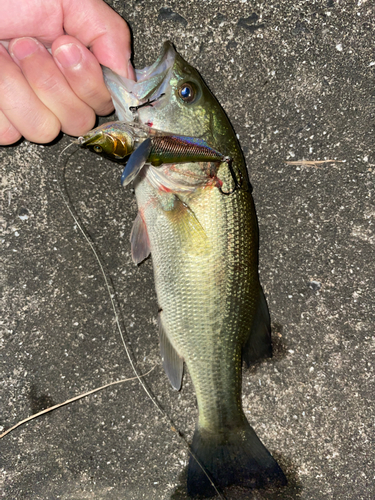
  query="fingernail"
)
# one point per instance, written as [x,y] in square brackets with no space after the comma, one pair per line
[23,47]
[68,55]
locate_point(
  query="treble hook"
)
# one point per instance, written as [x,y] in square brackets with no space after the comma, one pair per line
[134,109]
[237,184]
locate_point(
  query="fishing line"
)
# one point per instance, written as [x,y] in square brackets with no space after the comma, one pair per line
[62,188]
[110,289]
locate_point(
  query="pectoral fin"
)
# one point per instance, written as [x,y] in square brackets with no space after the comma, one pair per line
[193,236]
[173,364]
[136,162]
[258,344]
[140,244]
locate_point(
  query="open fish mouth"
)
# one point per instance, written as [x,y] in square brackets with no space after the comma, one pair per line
[152,83]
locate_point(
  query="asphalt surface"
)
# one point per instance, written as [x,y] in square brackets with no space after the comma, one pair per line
[297,81]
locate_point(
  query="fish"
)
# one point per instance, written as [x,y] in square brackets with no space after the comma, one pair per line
[198,222]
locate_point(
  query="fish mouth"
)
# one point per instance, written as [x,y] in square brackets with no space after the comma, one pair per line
[151,83]
[157,71]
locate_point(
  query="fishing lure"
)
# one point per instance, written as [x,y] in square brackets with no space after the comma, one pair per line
[119,140]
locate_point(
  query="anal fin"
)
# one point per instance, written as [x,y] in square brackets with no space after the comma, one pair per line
[173,363]
[140,244]
[258,344]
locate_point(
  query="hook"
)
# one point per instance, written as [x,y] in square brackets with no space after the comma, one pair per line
[134,109]
[237,184]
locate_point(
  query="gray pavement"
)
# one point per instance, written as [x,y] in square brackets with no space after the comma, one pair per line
[297,81]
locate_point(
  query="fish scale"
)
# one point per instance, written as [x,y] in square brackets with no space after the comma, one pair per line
[209,288]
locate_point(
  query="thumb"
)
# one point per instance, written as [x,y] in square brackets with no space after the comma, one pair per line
[101,29]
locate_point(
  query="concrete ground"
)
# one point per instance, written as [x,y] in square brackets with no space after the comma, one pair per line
[297,81]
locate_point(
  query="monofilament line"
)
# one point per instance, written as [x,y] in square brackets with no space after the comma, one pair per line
[111,292]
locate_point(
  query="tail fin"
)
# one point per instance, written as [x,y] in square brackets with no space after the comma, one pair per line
[236,457]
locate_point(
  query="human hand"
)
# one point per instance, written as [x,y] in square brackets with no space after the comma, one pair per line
[42,93]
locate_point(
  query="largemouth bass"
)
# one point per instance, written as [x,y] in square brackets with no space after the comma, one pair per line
[204,247]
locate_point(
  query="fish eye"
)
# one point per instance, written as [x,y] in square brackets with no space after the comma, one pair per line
[97,149]
[187,92]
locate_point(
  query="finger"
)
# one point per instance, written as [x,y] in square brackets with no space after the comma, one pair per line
[83,73]
[36,18]
[8,134]
[21,106]
[97,26]
[51,87]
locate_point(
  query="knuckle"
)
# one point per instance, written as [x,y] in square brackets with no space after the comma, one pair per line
[46,129]
[96,96]
[105,109]
[90,92]
[8,134]
[80,124]
[8,77]
[46,83]
[101,105]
